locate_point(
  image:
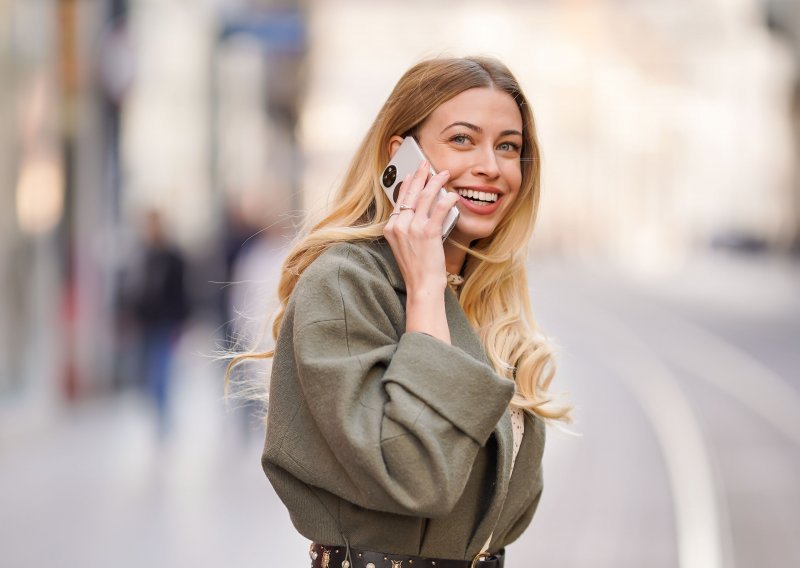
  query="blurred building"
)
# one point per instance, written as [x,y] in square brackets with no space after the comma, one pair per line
[33,175]
[783,18]
[111,108]
[665,127]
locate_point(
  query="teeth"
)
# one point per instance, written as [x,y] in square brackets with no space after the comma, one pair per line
[478,195]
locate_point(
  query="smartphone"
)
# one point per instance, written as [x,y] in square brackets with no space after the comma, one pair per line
[406,161]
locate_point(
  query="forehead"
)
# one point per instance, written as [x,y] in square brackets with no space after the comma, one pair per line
[489,108]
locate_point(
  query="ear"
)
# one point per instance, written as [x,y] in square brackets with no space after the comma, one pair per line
[394,144]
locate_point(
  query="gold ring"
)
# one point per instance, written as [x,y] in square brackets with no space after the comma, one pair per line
[404,207]
[395,213]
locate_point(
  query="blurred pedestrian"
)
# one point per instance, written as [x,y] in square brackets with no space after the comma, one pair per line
[409,387]
[160,307]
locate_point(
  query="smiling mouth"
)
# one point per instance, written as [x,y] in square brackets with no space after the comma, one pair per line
[478,197]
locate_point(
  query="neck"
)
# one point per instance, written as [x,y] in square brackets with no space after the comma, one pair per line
[453,258]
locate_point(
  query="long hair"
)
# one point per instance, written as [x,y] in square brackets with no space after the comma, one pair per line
[494,295]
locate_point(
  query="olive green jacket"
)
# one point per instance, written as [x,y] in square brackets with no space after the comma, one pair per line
[397,442]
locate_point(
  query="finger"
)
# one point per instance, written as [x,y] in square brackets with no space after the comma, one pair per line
[393,231]
[417,184]
[402,194]
[427,198]
[442,207]
[396,236]
[388,228]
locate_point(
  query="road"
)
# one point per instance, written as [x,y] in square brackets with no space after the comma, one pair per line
[688,405]
[685,451]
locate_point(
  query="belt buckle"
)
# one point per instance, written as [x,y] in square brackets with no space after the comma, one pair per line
[478,558]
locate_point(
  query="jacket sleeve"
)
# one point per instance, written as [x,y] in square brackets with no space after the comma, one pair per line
[388,420]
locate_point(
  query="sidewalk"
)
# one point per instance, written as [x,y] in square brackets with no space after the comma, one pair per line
[97,489]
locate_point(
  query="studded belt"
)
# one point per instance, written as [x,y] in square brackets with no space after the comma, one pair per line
[323,556]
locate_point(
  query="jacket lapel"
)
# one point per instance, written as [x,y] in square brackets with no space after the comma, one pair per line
[462,335]
[505,449]
[526,480]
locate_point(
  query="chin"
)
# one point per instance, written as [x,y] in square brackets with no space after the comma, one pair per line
[469,233]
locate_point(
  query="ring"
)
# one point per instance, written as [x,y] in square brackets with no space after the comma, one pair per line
[395,213]
[403,207]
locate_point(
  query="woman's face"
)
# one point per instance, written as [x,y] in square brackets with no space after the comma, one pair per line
[477,135]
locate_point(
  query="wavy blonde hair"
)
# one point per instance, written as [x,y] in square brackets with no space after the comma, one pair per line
[494,295]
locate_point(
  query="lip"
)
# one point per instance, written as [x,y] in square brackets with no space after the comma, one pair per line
[480,209]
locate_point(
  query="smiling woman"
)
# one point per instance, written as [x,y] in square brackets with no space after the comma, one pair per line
[409,388]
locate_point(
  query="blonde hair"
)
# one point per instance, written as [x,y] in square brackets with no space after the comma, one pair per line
[494,295]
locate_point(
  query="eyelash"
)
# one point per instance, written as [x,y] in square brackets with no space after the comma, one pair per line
[456,137]
[514,147]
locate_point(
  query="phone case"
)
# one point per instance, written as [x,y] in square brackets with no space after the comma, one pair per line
[406,161]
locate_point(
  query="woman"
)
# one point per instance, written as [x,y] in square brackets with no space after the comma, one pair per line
[408,377]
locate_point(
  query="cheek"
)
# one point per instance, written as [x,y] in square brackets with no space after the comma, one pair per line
[453,162]
[510,202]
[514,179]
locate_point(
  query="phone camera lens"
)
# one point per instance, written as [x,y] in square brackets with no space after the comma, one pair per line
[389,175]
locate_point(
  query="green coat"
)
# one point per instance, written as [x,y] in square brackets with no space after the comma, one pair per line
[396,441]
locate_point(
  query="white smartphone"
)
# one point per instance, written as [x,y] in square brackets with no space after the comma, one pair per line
[406,161]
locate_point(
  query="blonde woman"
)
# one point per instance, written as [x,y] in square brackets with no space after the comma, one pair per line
[408,395]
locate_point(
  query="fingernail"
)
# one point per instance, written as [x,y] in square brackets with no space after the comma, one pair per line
[444,173]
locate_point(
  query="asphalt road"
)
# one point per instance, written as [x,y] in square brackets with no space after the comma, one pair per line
[688,403]
[685,451]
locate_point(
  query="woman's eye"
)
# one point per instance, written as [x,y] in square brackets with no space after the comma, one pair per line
[508,147]
[460,139]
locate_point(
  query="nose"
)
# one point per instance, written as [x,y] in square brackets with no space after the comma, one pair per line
[486,164]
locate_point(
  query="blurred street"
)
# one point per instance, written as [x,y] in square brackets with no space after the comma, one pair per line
[157,158]
[688,401]
[678,385]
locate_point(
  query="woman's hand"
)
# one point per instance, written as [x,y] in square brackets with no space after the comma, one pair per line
[414,231]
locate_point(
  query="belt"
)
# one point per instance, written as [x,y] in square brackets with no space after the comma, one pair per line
[323,556]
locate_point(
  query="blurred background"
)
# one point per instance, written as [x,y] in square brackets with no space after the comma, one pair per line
[157,155]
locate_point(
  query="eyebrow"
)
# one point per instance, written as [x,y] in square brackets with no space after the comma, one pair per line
[478,129]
